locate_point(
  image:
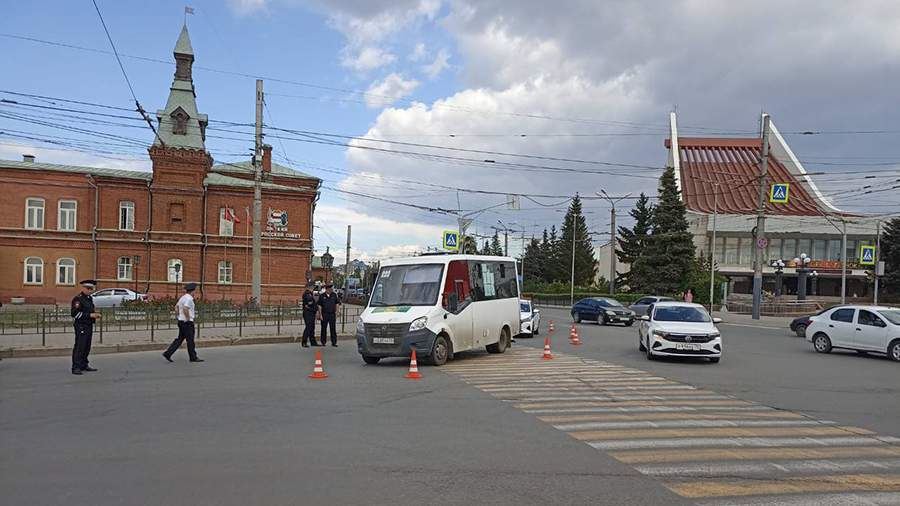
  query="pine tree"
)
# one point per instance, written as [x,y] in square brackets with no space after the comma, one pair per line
[668,260]
[535,263]
[554,268]
[585,261]
[890,254]
[486,249]
[496,247]
[632,240]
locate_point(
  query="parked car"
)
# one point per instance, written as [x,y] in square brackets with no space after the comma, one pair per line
[679,329]
[113,297]
[861,328]
[798,325]
[640,306]
[531,319]
[603,310]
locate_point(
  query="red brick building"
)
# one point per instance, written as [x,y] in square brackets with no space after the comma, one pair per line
[187,220]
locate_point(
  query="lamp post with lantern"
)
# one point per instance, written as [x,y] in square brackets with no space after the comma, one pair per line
[778,265]
[813,278]
[802,263]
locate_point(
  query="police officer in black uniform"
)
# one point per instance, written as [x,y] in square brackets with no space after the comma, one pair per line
[84,314]
[310,308]
[328,304]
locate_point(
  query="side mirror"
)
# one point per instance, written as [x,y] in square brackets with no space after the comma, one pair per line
[537,311]
[645,318]
[717,320]
[452,302]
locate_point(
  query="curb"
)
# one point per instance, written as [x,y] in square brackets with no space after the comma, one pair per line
[103,349]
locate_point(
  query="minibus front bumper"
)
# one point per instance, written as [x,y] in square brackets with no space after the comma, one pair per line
[394,340]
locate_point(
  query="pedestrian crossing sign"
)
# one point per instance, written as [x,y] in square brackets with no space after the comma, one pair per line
[779,193]
[866,255]
[451,240]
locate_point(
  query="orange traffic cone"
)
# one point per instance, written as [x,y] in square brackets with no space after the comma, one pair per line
[318,371]
[573,336]
[551,327]
[413,373]
[547,354]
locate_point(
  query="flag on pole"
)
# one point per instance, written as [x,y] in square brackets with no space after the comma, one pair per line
[188,10]
[230,216]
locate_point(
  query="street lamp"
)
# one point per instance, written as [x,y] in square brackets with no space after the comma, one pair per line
[612,233]
[778,265]
[802,263]
[813,278]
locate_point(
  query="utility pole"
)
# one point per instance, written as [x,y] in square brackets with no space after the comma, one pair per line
[877,258]
[712,250]
[572,288]
[760,220]
[257,199]
[612,235]
[843,261]
[523,255]
[347,264]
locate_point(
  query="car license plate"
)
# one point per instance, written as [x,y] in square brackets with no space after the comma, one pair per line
[382,340]
[689,347]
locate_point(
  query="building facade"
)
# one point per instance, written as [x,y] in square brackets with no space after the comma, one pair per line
[187,220]
[718,179]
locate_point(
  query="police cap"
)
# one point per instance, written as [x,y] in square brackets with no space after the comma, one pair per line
[88,283]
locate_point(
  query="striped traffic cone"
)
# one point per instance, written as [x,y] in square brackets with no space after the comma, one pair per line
[547,354]
[318,371]
[551,327]
[413,373]
[573,336]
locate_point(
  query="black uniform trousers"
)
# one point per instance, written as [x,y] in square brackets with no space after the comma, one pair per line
[84,333]
[185,333]
[329,321]
[309,330]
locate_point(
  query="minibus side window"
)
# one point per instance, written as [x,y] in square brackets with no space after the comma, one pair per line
[458,282]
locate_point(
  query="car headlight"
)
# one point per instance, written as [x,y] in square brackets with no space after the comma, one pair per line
[610,313]
[418,323]
[715,335]
[660,333]
[360,326]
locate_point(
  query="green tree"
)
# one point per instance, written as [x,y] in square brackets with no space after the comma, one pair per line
[585,261]
[668,259]
[553,270]
[632,241]
[534,260]
[468,245]
[486,249]
[890,254]
[496,247]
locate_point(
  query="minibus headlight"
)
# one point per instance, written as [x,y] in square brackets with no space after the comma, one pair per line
[418,324]
[360,326]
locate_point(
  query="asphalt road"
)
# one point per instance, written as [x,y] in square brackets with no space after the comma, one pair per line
[599,424]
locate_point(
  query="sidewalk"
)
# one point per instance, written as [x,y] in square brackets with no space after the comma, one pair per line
[781,322]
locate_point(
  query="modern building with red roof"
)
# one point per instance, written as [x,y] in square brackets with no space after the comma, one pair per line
[719,177]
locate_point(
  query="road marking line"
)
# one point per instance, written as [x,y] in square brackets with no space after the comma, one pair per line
[837,499]
[713,432]
[670,416]
[621,398]
[730,469]
[590,404]
[663,424]
[714,454]
[790,485]
[649,409]
[752,442]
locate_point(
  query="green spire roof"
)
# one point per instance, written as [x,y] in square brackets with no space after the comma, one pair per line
[183,46]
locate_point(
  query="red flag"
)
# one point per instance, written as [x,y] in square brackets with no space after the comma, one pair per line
[230,216]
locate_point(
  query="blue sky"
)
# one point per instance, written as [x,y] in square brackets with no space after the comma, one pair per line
[592,81]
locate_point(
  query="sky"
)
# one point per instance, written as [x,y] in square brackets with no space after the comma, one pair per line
[378,88]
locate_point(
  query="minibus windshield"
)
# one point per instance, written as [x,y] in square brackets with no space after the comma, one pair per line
[407,285]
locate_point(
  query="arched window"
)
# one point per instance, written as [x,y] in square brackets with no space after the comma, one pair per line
[175,270]
[65,271]
[225,272]
[124,270]
[34,271]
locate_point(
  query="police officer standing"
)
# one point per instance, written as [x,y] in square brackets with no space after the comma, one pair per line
[84,314]
[310,309]
[328,304]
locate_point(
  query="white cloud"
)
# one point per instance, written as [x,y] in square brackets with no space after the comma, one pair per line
[246,7]
[419,52]
[368,58]
[392,88]
[440,63]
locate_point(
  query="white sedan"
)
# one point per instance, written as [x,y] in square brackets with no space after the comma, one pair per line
[530,319]
[114,297]
[861,328]
[679,329]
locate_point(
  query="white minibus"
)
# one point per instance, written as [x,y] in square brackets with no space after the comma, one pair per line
[440,305]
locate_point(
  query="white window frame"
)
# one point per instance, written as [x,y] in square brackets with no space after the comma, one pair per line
[125,269]
[226,227]
[70,227]
[38,269]
[226,272]
[38,211]
[69,265]
[126,206]
[171,275]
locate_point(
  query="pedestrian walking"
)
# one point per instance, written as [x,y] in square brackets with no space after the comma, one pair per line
[689,296]
[328,304]
[310,308]
[185,311]
[84,314]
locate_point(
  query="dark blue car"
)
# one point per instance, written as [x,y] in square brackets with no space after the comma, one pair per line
[603,310]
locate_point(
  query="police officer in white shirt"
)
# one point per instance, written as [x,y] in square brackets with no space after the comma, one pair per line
[185,312]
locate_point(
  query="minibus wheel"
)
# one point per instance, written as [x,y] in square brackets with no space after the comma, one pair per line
[501,345]
[440,352]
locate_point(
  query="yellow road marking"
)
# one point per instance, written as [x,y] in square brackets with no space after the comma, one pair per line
[615,417]
[791,485]
[688,455]
[595,435]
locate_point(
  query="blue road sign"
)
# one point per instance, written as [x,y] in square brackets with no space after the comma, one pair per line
[867,255]
[451,240]
[779,193]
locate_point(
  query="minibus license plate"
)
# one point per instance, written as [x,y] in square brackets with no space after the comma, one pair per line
[382,340]
[691,347]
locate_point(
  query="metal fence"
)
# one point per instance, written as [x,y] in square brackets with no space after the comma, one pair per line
[49,321]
